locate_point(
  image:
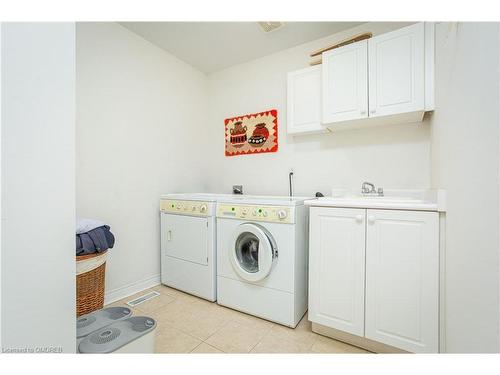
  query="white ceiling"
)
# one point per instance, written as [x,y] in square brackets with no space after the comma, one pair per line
[212,46]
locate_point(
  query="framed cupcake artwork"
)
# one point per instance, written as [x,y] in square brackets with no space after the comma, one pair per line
[252,134]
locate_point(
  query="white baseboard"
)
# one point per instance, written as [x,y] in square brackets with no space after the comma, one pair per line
[127,290]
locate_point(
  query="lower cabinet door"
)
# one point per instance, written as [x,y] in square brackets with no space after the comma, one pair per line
[337,268]
[402,279]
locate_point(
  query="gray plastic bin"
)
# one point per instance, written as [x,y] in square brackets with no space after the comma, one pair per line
[89,323]
[131,335]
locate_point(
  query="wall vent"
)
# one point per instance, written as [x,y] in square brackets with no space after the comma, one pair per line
[269,26]
[142,299]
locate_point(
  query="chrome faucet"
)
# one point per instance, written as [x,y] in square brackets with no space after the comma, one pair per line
[367,188]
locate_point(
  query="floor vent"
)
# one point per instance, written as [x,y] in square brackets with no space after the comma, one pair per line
[142,299]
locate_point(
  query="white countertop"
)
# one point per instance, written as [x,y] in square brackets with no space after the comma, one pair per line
[415,200]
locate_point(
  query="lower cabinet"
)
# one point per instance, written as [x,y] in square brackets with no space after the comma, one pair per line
[375,274]
[337,268]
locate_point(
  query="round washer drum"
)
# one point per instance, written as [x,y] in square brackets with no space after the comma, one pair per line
[252,251]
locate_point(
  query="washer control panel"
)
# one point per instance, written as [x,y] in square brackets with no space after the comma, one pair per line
[181,207]
[272,214]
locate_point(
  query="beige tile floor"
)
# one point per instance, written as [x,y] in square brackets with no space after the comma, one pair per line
[187,324]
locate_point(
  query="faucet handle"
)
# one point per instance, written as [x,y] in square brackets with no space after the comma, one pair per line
[367,188]
[380,191]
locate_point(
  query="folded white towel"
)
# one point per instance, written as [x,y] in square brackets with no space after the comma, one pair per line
[86,225]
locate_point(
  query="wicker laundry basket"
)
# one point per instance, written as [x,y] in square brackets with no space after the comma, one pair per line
[90,277]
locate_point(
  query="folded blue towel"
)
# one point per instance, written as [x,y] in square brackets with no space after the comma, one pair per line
[96,240]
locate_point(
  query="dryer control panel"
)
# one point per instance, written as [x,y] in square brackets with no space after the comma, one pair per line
[182,207]
[271,214]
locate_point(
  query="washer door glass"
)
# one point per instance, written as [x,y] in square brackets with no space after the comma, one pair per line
[247,251]
[251,252]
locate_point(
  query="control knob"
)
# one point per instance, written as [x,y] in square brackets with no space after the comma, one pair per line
[281,214]
[203,208]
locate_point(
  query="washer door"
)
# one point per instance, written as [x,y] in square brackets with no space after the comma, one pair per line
[252,252]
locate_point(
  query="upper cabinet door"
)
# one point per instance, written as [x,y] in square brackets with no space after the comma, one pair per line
[402,279]
[304,101]
[345,83]
[337,268]
[397,71]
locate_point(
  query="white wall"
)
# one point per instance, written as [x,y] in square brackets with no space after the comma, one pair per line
[465,162]
[38,197]
[390,157]
[139,115]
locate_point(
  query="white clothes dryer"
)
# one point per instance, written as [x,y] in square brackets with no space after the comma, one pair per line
[188,243]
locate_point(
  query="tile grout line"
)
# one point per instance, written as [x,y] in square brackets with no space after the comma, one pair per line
[197,338]
[174,298]
[192,350]
[262,338]
[222,326]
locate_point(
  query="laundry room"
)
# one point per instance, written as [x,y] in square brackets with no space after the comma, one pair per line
[250,187]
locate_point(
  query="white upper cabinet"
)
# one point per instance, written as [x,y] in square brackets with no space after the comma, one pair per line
[396,65]
[345,83]
[304,101]
[337,268]
[402,279]
[387,79]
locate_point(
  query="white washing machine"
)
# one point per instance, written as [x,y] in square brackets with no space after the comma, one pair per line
[188,243]
[262,261]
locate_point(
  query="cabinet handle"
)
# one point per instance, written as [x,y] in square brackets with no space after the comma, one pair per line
[371,219]
[373,111]
[359,218]
[169,235]
[362,112]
